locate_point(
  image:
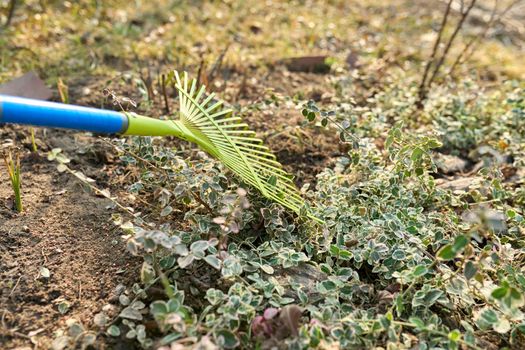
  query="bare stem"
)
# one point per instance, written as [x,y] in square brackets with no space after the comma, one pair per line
[422,89]
[10,13]
[459,25]
[473,44]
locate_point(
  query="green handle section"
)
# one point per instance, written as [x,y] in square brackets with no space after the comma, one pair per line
[145,126]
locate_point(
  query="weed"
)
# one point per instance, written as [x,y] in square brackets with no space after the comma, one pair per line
[63,91]
[33,140]
[13,169]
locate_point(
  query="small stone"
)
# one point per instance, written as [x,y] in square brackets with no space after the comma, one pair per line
[448,164]
[108,308]
[460,184]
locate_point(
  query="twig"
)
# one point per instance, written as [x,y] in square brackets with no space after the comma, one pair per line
[199,199]
[200,74]
[474,39]
[242,86]
[422,89]
[10,13]
[164,93]
[217,65]
[450,41]
[99,191]
[16,285]
[45,257]
[474,42]
[18,334]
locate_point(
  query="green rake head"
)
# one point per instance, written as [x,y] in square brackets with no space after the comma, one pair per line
[227,138]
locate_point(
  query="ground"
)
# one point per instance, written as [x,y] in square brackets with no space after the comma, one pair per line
[66,227]
[67,230]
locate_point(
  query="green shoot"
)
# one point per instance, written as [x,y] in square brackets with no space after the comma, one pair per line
[13,170]
[63,91]
[33,141]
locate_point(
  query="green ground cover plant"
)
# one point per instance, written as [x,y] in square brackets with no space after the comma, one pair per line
[400,262]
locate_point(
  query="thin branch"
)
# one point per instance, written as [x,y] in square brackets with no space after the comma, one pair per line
[473,44]
[430,61]
[475,39]
[217,65]
[10,13]
[464,15]
[201,76]
[164,93]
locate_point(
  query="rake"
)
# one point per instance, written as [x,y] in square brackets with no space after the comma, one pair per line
[203,120]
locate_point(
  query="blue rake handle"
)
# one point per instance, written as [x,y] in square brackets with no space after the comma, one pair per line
[57,115]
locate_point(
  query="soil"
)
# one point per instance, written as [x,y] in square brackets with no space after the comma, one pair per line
[65,229]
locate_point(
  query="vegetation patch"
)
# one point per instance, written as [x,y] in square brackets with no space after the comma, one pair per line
[402,228]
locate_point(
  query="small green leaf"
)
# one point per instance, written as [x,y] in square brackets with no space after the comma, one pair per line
[61,167]
[398,254]
[113,331]
[416,321]
[454,335]
[131,314]
[63,307]
[434,143]
[303,297]
[502,327]
[446,252]
[214,296]
[459,243]
[489,316]
[166,211]
[470,270]
[389,140]
[345,255]
[185,261]
[147,273]
[199,246]
[267,269]
[328,285]
[420,270]
[226,339]
[158,308]
[499,293]
[213,261]
[416,154]
[432,296]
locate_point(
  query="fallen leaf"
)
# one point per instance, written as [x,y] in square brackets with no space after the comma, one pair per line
[290,316]
[28,85]
[310,64]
